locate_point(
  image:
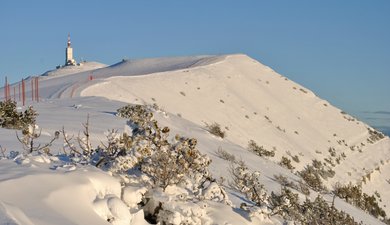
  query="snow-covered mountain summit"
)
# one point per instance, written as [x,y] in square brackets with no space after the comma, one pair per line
[248,99]
[81,67]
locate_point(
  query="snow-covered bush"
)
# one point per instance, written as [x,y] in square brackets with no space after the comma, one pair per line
[374,135]
[354,195]
[145,156]
[264,206]
[319,212]
[223,154]
[313,175]
[286,163]
[300,186]
[84,141]
[148,149]
[137,114]
[259,150]
[12,119]
[285,204]
[145,150]
[29,135]
[215,129]
[312,178]
[248,183]
[177,163]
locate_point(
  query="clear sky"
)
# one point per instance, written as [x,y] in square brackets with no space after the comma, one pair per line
[340,49]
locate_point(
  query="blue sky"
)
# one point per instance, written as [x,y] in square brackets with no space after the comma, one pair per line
[338,49]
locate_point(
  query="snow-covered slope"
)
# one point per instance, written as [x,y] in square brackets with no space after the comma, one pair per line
[253,102]
[81,67]
[249,100]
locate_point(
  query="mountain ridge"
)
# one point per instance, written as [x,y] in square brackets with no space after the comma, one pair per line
[249,100]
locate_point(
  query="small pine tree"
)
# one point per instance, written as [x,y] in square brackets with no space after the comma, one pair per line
[249,183]
[12,119]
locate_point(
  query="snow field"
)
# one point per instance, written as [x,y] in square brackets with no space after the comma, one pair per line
[248,99]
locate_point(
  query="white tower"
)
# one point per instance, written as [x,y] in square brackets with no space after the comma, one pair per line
[69,61]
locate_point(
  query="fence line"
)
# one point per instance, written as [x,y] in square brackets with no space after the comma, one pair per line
[19,90]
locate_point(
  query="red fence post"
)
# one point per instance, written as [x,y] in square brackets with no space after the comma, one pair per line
[32,89]
[23,92]
[37,88]
[9,91]
[5,89]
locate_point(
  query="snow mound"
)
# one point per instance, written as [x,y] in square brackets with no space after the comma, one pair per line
[112,209]
[154,65]
[82,67]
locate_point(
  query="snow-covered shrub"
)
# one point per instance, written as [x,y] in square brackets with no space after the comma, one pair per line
[149,151]
[283,180]
[309,212]
[354,195]
[295,158]
[286,163]
[374,135]
[28,140]
[285,204]
[259,213]
[177,163]
[137,114]
[300,186]
[312,178]
[146,156]
[223,154]
[248,183]
[264,206]
[313,175]
[84,141]
[145,150]
[9,117]
[215,129]
[259,150]
[12,119]
[303,188]
[319,212]
[215,192]
[83,152]
[29,116]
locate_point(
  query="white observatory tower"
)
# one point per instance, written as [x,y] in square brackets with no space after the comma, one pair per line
[69,61]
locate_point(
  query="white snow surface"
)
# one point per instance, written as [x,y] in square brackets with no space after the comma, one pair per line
[248,99]
[81,67]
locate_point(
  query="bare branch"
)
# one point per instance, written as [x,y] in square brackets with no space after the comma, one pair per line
[3,150]
[69,144]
